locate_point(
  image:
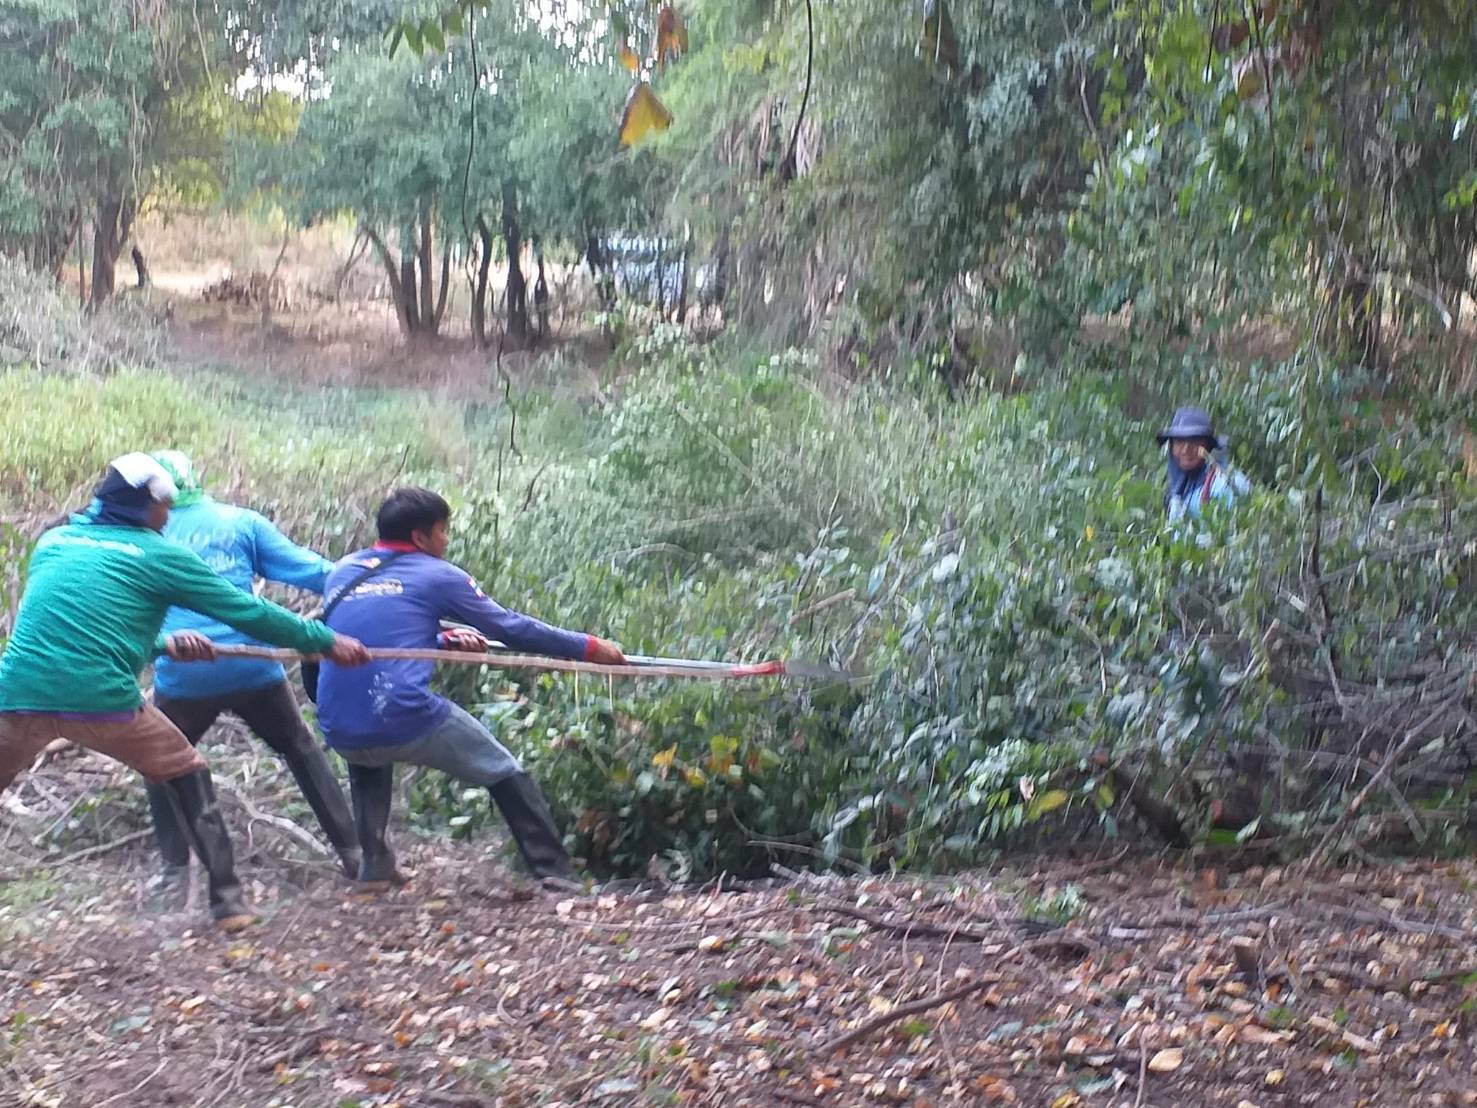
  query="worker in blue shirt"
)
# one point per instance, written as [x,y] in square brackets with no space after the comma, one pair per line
[1195,478]
[240,545]
[396,594]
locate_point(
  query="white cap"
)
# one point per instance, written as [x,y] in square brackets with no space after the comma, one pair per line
[141,471]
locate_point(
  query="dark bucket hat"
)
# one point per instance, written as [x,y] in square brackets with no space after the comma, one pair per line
[1191,423]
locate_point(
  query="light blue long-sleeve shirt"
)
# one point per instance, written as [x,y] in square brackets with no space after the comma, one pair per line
[1219,485]
[240,545]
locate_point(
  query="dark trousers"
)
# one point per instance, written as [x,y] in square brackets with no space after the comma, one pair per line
[273,716]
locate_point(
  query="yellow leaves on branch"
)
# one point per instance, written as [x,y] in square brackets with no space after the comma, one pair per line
[643,112]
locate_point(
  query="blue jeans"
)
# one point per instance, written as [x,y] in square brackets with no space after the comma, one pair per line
[461,748]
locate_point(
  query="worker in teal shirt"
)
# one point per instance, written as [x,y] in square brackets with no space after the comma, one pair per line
[240,545]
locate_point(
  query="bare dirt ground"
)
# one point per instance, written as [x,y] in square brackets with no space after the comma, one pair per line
[330,322]
[1108,980]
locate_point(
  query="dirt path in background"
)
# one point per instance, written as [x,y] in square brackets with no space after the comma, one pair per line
[1154,985]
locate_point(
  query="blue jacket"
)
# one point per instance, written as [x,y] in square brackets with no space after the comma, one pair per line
[240,545]
[389,703]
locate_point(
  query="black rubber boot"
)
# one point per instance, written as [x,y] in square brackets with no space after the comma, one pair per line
[201,821]
[373,788]
[321,790]
[170,890]
[522,804]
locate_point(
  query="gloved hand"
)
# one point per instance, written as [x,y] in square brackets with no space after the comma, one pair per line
[604,652]
[465,639]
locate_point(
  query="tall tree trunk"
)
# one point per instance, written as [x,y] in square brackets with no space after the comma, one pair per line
[397,286]
[428,315]
[112,221]
[517,295]
[479,293]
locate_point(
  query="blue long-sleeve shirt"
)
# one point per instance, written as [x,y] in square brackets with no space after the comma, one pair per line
[240,545]
[389,703]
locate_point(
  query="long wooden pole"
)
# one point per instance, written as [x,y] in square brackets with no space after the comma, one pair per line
[700,670]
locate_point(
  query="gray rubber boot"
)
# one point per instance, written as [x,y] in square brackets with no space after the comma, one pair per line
[373,790]
[522,804]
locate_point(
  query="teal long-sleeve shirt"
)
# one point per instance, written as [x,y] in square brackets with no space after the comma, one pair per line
[91,614]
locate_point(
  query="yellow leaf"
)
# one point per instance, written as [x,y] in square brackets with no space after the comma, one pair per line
[628,58]
[1066,1100]
[668,756]
[694,777]
[1089,532]
[1048,801]
[1167,1061]
[643,113]
[1249,84]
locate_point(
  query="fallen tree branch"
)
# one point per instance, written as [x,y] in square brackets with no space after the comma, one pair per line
[90,852]
[908,929]
[903,1011]
[281,823]
[1336,832]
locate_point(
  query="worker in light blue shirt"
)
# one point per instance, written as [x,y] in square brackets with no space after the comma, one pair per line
[240,545]
[1195,477]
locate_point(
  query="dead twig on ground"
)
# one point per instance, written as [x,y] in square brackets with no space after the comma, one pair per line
[1381,774]
[90,852]
[281,823]
[903,1011]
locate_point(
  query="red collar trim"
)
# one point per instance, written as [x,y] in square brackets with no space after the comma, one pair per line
[397,547]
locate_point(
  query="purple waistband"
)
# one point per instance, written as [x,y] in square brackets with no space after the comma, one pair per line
[82,717]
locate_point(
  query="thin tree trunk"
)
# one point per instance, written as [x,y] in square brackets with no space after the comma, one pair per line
[517,294]
[428,315]
[599,271]
[682,281]
[441,294]
[141,267]
[407,278]
[81,263]
[397,289]
[541,297]
[479,293]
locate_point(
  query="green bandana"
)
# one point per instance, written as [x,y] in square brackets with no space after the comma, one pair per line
[179,467]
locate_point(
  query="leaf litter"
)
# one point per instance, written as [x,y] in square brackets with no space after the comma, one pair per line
[1170,985]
